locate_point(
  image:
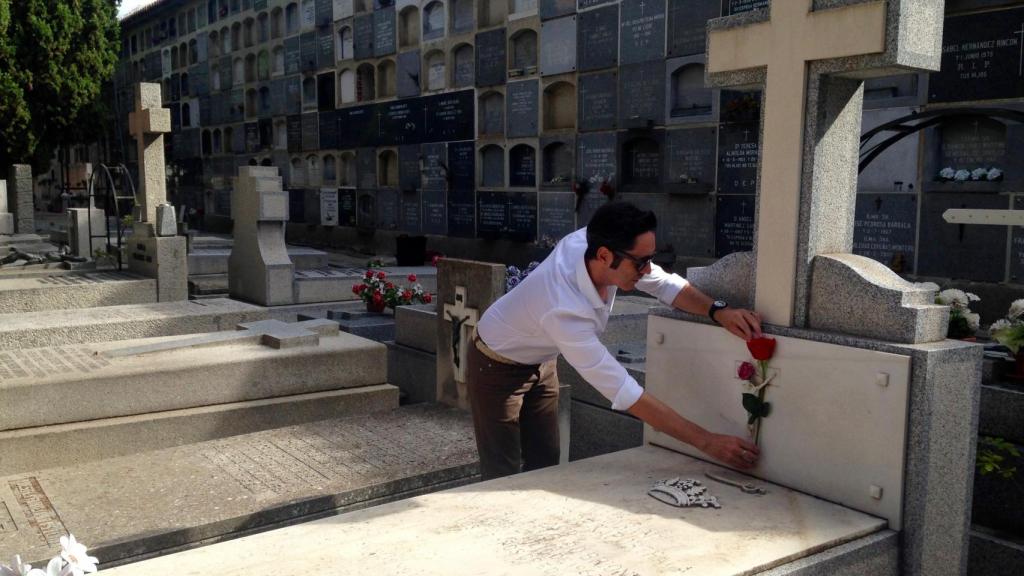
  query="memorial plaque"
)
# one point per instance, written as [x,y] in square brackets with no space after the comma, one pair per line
[969,144]
[598,102]
[461,165]
[492,114]
[387,209]
[738,150]
[642,162]
[645,85]
[685,223]
[461,214]
[435,214]
[310,132]
[200,79]
[408,80]
[492,169]
[308,51]
[293,95]
[357,126]
[328,130]
[325,57]
[690,155]
[523,108]
[982,57]
[598,38]
[558,46]
[642,32]
[292,56]
[225,68]
[295,133]
[366,209]
[740,6]
[554,8]
[410,216]
[278,97]
[558,161]
[734,225]
[522,216]
[401,122]
[434,167]
[462,16]
[366,168]
[465,67]
[433,21]
[491,214]
[343,9]
[584,4]
[491,62]
[1017,247]
[409,168]
[687,25]
[363,37]
[297,205]
[964,251]
[885,229]
[324,12]
[346,207]
[237,146]
[449,116]
[597,158]
[556,216]
[522,166]
[175,94]
[328,206]
[384,35]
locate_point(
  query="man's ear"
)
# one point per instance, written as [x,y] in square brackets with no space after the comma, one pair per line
[605,255]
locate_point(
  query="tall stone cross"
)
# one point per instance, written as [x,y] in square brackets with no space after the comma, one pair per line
[148,124]
[812,56]
[462,319]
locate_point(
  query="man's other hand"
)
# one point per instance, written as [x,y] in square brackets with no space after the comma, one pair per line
[731,450]
[744,324]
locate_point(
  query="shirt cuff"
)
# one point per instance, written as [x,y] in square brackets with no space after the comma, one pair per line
[628,394]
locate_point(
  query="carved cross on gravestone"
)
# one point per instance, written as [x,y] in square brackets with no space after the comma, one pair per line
[462,319]
[812,63]
[271,333]
[148,124]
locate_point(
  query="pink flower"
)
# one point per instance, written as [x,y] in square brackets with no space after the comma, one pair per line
[412,277]
[746,371]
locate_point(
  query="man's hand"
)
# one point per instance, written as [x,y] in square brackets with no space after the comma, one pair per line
[742,323]
[732,450]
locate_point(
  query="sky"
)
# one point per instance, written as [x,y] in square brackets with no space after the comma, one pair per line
[130,5]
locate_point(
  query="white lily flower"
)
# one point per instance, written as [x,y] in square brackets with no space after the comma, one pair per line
[74,553]
[947,172]
[953,297]
[962,175]
[973,320]
[1001,324]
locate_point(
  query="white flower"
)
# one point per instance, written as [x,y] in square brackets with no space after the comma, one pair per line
[74,553]
[953,297]
[973,320]
[947,173]
[15,569]
[994,174]
[1016,309]
[1001,324]
[55,568]
[979,173]
[962,175]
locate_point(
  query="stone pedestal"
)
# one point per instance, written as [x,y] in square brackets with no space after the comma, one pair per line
[79,231]
[19,198]
[163,258]
[259,268]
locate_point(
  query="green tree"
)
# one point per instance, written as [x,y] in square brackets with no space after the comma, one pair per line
[55,57]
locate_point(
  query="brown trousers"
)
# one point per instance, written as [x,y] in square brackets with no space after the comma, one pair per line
[515,414]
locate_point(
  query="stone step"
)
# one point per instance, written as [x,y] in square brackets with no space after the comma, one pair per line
[1002,412]
[416,327]
[81,442]
[209,284]
[993,554]
[44,386]
[67,291]
[202,261]
[108,323]
[153,503]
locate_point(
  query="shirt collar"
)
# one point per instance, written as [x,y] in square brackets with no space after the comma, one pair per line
[587,285]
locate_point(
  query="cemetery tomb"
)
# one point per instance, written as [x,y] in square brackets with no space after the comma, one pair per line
[78,290]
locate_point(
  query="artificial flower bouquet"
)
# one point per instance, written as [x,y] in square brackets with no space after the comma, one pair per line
[962,322]
[378,292]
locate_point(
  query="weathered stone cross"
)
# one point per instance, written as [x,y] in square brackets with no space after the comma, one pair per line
[812,57]
[271,333]
[148,124]
[462,319]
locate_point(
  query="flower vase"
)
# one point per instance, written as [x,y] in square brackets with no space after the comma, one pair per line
[374,307]
[1018,367]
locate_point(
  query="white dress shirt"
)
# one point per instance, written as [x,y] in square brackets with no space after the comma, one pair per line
[557,310]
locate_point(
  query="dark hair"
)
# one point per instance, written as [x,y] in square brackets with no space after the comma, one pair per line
[615,226]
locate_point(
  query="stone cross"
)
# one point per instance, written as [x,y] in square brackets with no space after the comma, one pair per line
[148,124]
[812,56]
[462,319]
[271,333]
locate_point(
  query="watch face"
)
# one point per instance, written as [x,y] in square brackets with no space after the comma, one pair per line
[719,304]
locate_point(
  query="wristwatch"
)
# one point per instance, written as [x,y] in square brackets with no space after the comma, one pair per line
[715,307]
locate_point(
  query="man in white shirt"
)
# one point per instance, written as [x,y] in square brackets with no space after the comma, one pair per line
[561,308]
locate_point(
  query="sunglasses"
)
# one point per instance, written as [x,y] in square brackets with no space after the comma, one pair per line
[640,263]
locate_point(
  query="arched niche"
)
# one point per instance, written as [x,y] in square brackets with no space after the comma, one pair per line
[387,169]
[217,142]
[522,166]
[558,164]
[225,40]
[491,12]
[213,44]
[409,27]
[347,169]
[522,52]
[186,115]
[278,60]
[386,78]
[206,143]
[184,85]
[280,134]
[492,166]
[263,27]
[263,65]
[365,82]
[309,92]
[463,66]
[347,86]
[175,64]
[291,19]
[314,176]
[345,46]
[461,16]
[492,114]
[689,96]
[250,102]
[298,172]
[434,70]
[250,68]
[560,106]
[330,172]
[215,78]
[229,140]
[249,32]
[433,20]
[236,36]
[276,22]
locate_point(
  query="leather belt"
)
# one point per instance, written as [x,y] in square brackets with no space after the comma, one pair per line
[482,347]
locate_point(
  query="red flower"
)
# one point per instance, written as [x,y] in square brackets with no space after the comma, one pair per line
[412,277]
[407,295]
[426,298]
[435,259]
[369,274]
[746,371]
[381,275]
[377,297]
[388,285]
[761,348]
[357,288]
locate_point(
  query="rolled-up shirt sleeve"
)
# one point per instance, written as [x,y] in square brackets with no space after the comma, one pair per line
[662,285]
[576,338]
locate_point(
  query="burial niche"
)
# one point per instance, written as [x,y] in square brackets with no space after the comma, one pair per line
[347,86]
[184,84]
[229,140]
[325,91]
[523,53]
[225,41]
[386,78]
[463,66]
[309,92]
[689,95]
[291,19]
[217,141]
[276,22]
[560,106]
[250,102]
[330,169]
[236,36]
[365,82]
[641,162]
[264,101]
[215,78]
[433,21]
[249,33]
[492,12]
[238,72]
[345,46]
[263,65]
[409,27]
[298,173]
[263,27]
[250,68]
[206,143]
[462,16]
[492,114]
[313,174]
[193,52]
[558,164]
[387,169]
[492,166]
[522,7]
[278,60]
[308,14]
[347,169]
[280,134]
[435,70]
[522,161]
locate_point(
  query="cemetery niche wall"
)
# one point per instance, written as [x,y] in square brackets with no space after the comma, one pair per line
[473,111]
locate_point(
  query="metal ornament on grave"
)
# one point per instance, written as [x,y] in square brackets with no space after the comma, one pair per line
[462,319]
[801,54]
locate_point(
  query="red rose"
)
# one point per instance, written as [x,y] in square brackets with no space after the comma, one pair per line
[761,348]
[412,277]
[369,274]
[746,371]
[381,275]
[357,288]
[388,285]
[407,295]
[377,297]
[426,298]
